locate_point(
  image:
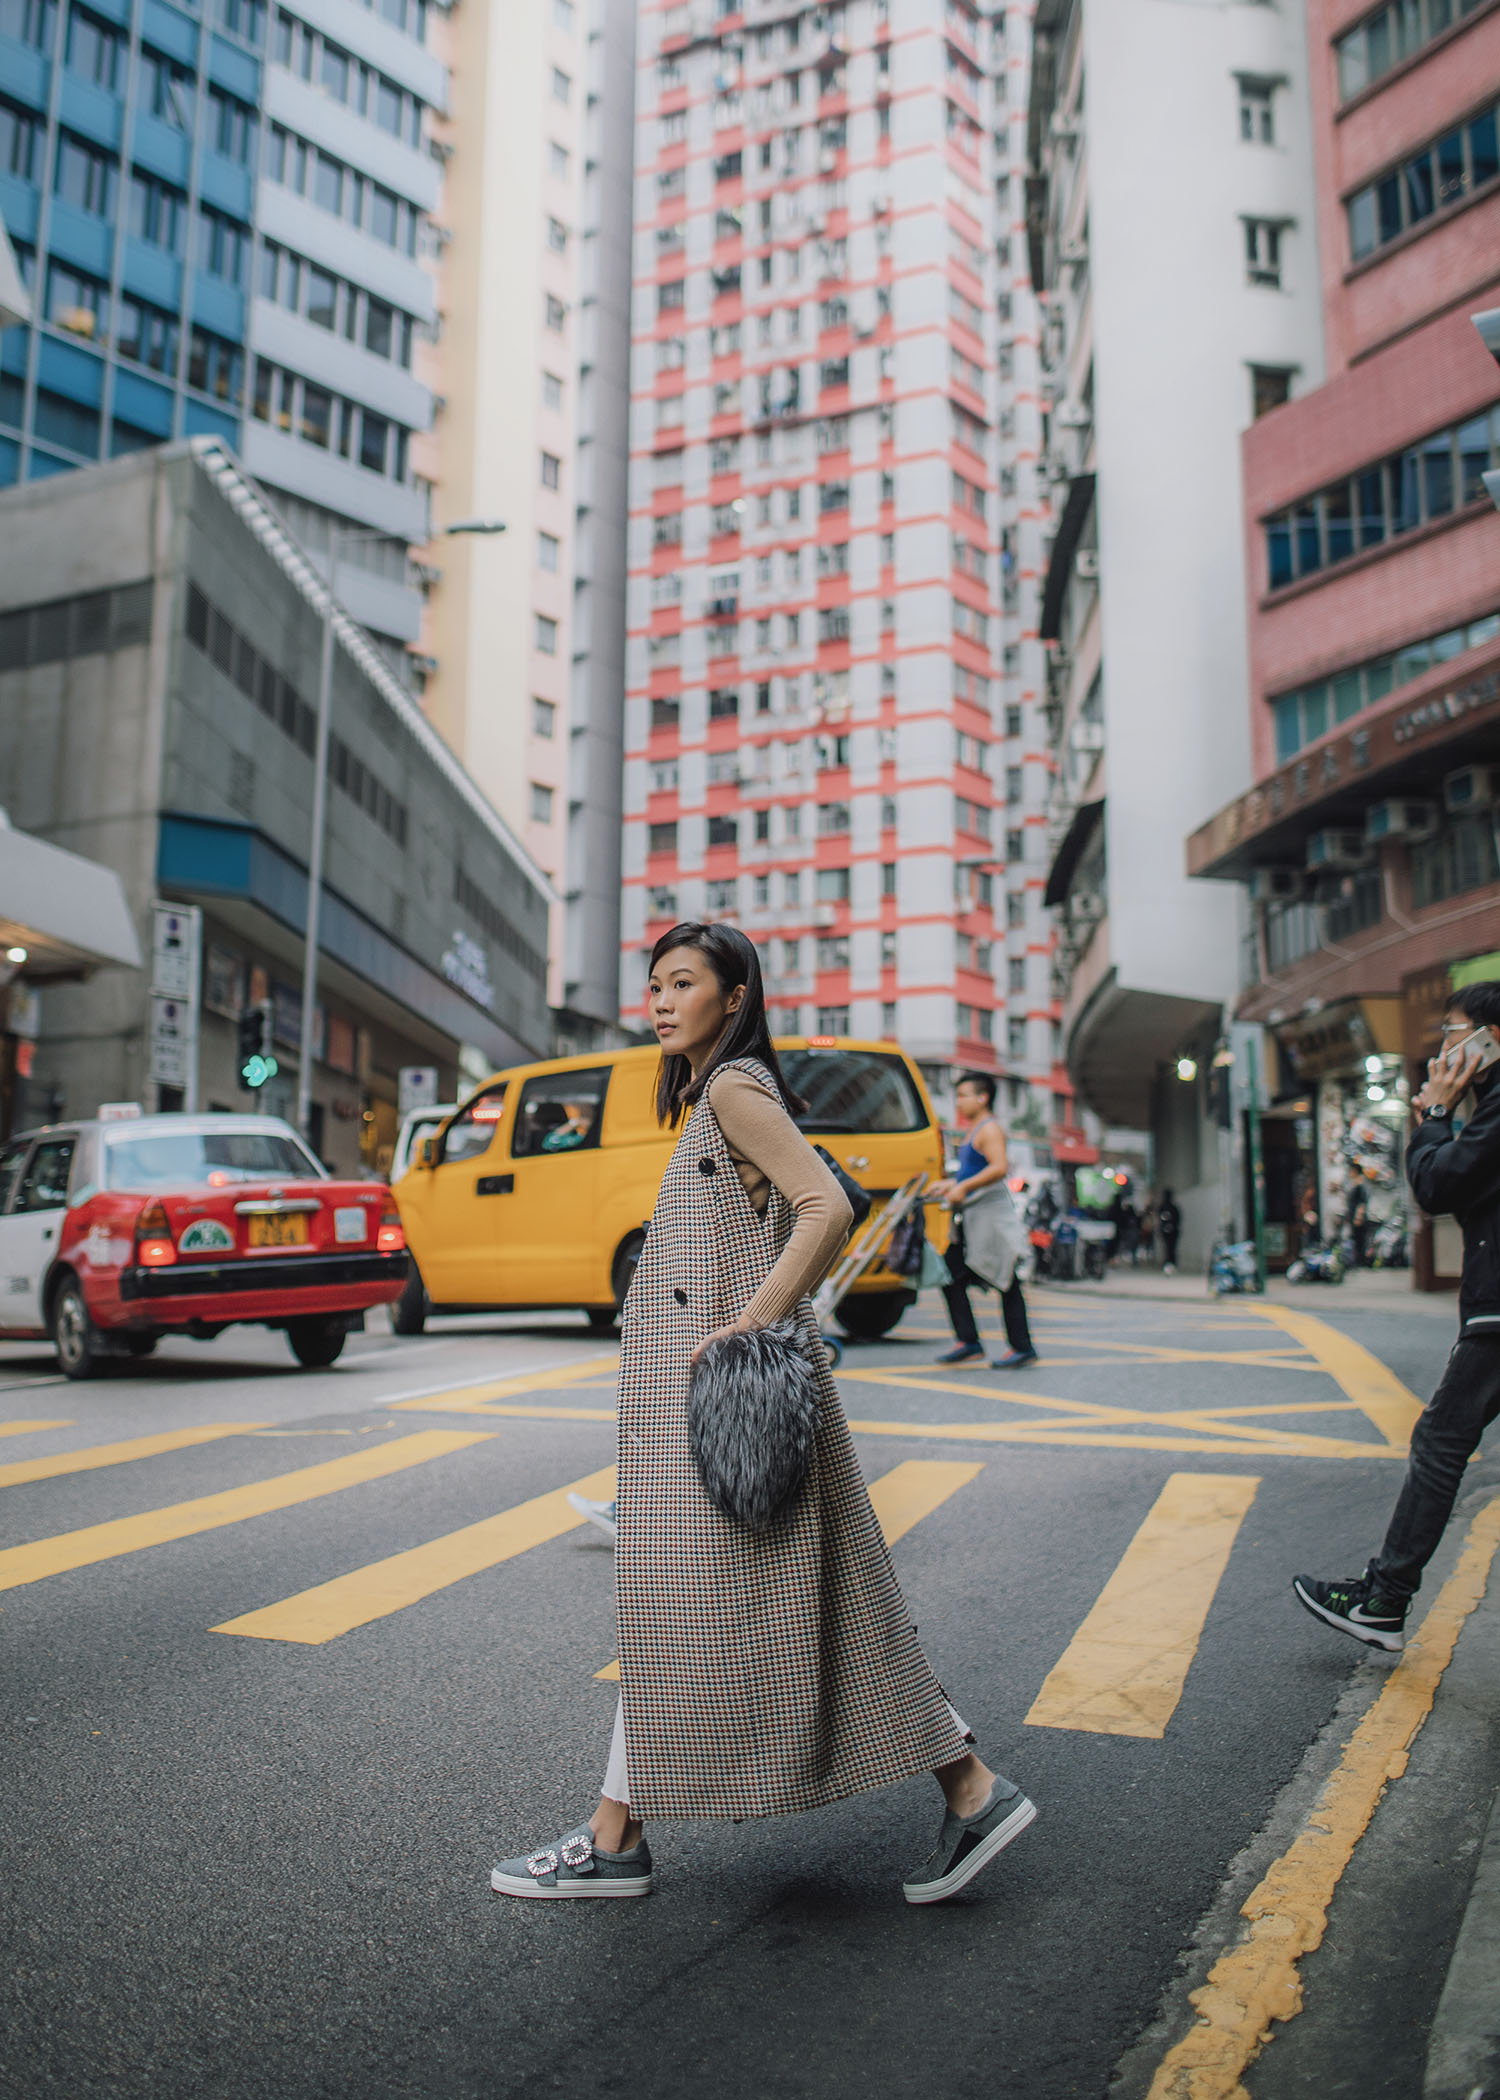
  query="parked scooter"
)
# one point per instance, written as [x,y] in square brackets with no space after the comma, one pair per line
[1232,1268]
[1317,1263]
[1389,1250]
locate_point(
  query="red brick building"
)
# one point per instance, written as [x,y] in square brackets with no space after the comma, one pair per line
[1368,841]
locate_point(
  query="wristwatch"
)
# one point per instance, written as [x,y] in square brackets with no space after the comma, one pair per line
[1435,1112]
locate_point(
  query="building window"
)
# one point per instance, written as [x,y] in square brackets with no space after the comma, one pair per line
[665,714]
[557,236]
[85,177]
[1270,386]
[1461,858]
[1263,251]
[1015,974]
[762,827]
[1257,111]
[831,885]
[1303,716]
[556,314]
[833,951]
[546,551]
[562,86]
[1441,176]
[546,635]
[1390,35]
[661,838]
[723,831]
[723,896]
[1430,480]
[551,471]
[661,903]
[94,49]
[552,390]
[544,718]
[541,803]
[833,1020]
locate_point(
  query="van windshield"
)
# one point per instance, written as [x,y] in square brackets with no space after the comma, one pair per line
[853,1090]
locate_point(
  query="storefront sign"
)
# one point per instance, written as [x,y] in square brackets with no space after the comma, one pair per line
[176,943]
[1447,707]
[466,965]
[1338,1038]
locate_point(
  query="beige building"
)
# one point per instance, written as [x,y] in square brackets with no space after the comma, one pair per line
[514,682]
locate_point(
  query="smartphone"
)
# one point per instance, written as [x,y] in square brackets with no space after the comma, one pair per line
[1483,1040]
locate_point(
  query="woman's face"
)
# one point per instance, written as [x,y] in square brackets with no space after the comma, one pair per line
[687,1008]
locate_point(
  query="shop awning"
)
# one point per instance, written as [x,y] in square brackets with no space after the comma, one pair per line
[68,913]
[1071,850]
[1064,546]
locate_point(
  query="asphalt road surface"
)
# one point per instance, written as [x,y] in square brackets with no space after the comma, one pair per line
[260,1751]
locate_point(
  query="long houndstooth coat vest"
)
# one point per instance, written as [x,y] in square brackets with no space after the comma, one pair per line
[761,1672]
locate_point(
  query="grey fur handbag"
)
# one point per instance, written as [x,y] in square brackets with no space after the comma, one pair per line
[753,1422]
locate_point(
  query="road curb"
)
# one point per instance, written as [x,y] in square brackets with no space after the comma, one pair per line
[1463,2049]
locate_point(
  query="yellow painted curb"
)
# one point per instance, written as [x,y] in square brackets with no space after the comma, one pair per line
[1258,1980]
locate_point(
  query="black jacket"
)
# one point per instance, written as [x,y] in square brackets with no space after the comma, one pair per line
[1459,1174]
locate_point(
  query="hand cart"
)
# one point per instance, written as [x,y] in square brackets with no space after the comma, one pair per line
[861,1254]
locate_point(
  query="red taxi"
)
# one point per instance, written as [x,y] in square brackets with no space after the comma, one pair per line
[115,1232]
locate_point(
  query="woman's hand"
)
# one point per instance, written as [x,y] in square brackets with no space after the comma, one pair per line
[940,1192]
[718,1335]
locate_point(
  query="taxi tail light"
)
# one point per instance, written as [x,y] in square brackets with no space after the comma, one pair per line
[154,1248]
[391,1238]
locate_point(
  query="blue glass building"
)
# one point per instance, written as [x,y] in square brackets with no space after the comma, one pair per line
[220,213]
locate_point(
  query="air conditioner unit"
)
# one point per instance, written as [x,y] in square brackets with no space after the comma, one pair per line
[1471,787]
[1073,253]
[1278,885]
[1072,415]
[825,915]
[1400,818]
[1086,563]
[1087,736]
[1338,849]
[828,160]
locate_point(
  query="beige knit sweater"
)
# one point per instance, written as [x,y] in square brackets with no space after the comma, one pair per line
[767,1147]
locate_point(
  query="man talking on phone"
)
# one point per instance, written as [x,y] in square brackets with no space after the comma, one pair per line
[1457,1173]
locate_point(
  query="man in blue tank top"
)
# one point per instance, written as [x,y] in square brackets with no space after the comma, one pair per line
[988,1239]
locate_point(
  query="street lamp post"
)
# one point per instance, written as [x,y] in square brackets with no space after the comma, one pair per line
[339,538]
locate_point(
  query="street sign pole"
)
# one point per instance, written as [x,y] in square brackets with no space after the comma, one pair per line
[315,857]
[1257,1162]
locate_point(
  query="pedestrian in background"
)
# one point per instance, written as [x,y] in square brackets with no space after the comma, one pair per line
[1148,1231]
[1455,1173]
[987,1239]
[1359,1224]
[771,1670]
[1169,1224]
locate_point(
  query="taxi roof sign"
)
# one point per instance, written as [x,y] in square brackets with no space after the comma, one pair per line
[119,1111]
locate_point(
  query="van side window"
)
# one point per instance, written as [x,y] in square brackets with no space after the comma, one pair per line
[559,1112]
[472,1131]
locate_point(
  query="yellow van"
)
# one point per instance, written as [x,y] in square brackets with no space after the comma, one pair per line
[536,1192]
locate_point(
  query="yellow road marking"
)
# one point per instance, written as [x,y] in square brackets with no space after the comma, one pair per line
[181,1520]
[95,1455]
[1124,1669]
[900,1499]
[1390,1405]
[1163,1353]
[473,1399]
[27,1428]
[1257,1980]
[386,1586]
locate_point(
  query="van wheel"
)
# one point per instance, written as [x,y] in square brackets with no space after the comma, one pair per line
[80,1350]
[623,1273]
[409,1313]
[601,1318]
[873,1313]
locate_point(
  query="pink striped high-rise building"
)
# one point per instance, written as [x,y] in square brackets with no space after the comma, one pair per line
[833,721]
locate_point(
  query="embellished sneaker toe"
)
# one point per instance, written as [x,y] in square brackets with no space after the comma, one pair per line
[574,1866]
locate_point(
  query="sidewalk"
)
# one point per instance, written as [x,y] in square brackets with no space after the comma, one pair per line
[1362,1290]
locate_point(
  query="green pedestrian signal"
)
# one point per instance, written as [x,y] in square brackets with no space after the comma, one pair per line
[257,1064]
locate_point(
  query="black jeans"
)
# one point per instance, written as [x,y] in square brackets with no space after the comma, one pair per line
[1444,1440]
[961,1312]
[1169,1248]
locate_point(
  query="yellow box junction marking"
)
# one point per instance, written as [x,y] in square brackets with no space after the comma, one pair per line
[181,1520]
[1123,1671]
[386,1586]
[478,1399]
[1258,1980]
[1390,1405]
[900,1499]
[24,1469]
[29,1428]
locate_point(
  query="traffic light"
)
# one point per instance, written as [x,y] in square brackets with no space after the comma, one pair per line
[257,1065]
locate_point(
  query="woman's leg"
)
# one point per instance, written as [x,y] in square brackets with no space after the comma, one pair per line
[615,1829]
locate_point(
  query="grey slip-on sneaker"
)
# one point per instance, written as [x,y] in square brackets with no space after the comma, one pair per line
[573,1866]
[967,1843]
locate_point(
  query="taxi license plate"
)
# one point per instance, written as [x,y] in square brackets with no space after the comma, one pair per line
[289,1230]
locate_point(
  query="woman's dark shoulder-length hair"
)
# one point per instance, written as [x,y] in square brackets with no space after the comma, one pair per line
[734,962]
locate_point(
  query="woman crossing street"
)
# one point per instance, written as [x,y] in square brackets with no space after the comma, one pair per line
[762,1671]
